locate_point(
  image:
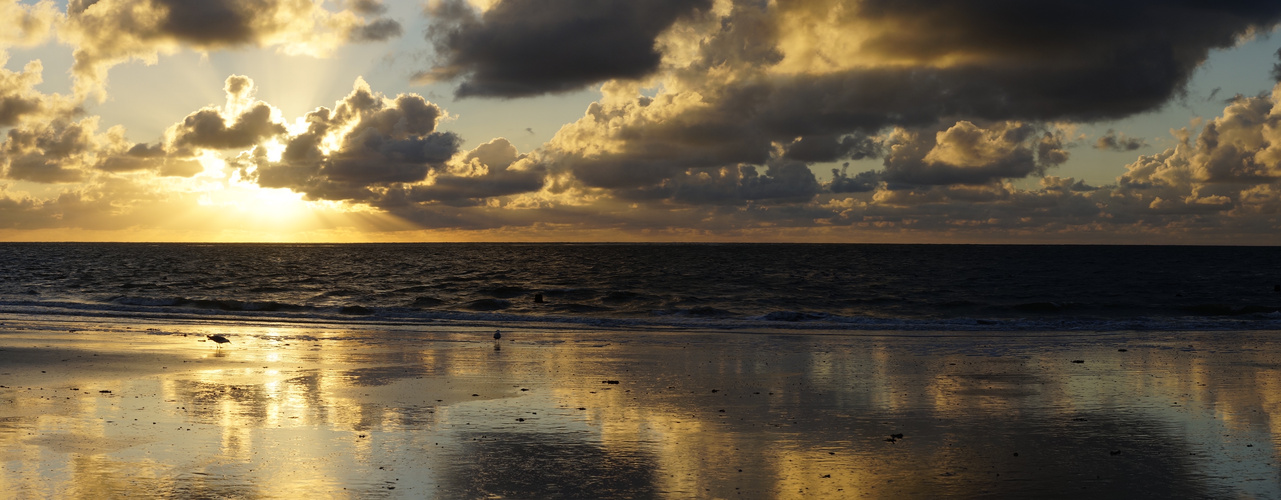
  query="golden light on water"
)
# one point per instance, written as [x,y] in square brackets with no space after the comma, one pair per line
[284,411]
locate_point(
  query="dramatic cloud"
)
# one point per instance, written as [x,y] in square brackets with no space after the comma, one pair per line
[817,79]
[1008,60]
[714,118]
[859,183]
[782,181]
[625,143]
[242,123]
[1227,180]
[119,156]
[491,170]
[27,25]
[52,152]
[19,97]
[823,148]
[356,151]
[529,47]
[1112,141]
[1242,147]
[108,32]
[966,153]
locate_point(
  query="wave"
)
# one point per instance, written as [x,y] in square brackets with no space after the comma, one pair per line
[497,312]
[219,304]
[427,302]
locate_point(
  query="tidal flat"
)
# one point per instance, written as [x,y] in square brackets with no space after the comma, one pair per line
[119,407]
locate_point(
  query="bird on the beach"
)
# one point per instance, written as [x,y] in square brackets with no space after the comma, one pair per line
[218,339]
[497,335]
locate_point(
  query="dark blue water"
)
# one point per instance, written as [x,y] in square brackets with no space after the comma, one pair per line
[737,286]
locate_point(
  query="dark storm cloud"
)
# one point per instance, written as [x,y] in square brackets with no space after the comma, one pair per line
[530,47]
[945,63]
[860,183]
[1111,141]
[823,148]
[1033,60]
[209,22]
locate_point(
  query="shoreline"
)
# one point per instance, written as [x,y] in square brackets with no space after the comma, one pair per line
[355,412]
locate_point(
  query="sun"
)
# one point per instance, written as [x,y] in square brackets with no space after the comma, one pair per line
[242,204]
[273,204]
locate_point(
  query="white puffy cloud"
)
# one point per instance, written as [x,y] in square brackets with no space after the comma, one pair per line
[26,24]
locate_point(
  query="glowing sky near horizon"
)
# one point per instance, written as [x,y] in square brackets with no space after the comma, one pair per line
[665,120]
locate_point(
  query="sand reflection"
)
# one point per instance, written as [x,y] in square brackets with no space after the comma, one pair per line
[289,411]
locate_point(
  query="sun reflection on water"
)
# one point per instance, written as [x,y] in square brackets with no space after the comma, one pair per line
[445,415]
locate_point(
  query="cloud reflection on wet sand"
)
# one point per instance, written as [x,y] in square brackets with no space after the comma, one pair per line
[290,411]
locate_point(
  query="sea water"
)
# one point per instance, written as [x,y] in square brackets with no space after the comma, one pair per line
[646,371]
[722,286]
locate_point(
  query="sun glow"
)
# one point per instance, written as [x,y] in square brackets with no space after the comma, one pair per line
[275,150]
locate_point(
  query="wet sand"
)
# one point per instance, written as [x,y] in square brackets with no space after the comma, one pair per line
[129,408]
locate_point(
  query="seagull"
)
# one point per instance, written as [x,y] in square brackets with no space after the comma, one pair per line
[218,339]
[497,335]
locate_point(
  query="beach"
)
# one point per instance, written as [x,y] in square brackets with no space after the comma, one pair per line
[119,407]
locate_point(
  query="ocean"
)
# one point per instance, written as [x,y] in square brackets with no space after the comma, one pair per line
[745,287]
[646,371]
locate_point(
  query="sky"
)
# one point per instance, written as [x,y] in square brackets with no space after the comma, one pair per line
[979,121]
